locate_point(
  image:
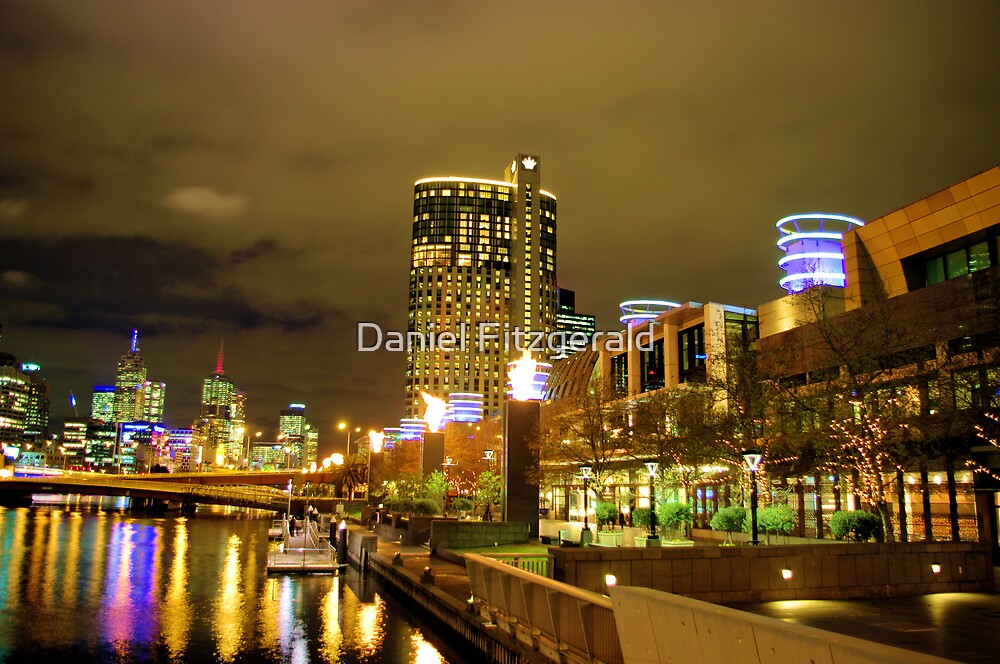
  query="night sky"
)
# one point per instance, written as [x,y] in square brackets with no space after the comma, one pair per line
[243,170]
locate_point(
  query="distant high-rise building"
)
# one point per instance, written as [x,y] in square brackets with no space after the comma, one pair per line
[102,447]
[129,379]
[102,404]
[36,419]
[220,424]
[152,397]
[15,393]
[577,329]
[483,257]
[74,440]
[298,434]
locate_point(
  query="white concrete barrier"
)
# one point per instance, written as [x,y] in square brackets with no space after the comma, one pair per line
[656,627]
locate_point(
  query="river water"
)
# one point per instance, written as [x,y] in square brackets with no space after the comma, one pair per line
[86,583]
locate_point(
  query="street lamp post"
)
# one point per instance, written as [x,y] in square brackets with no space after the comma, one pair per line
[652,467]
[585,535]
[752,459]
[344,426]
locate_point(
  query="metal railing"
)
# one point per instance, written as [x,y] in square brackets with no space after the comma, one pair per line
[562,622]
[536,563]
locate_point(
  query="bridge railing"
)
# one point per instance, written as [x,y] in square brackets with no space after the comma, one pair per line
[250,496]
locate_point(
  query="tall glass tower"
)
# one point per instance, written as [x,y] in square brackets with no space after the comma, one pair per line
[483,261]
[221,424]
[129,380]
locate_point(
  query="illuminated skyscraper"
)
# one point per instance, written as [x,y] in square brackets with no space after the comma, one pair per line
[102,404]
[220,425]
[129,378]
[14,396]
[36,421]
[152,397]
[298,433]
[483,257]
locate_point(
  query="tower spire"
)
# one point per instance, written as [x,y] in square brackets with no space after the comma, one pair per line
[218,365]
[135,341]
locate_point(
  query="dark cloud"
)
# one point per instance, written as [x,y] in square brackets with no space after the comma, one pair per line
[109,284]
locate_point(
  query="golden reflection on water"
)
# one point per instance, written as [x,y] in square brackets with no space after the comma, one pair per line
[267,613]
[331,639]
[70,582]
[369,632]
[37,555]
[51,560]
[422,652]
[228,620]
[176,610]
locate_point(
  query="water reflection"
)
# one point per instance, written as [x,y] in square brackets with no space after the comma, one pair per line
[176,608]
[228,619]
[85,584]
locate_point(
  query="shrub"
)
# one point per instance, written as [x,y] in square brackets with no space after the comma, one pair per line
[640,516]
[606,513]
[674,515]
[396,504]
[461,504]
[729,519]
[777,519]
[426,507]
[856,526]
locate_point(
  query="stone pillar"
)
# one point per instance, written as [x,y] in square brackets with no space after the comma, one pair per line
[520,492]
[432,452]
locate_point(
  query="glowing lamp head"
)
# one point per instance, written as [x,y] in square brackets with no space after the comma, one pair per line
[522,378]
[752,458]
[337,458]
[327,462]
[375,440]
[434,414]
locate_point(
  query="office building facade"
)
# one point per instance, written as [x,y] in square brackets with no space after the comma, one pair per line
[483,260]
[298,434]
[220,426]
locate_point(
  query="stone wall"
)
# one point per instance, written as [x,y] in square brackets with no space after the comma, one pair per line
[469,534]
[749,574]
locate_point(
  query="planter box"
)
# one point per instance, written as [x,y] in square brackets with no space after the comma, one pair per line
[610,539]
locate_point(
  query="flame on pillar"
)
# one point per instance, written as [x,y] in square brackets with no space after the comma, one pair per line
[436,409]
[522,377]
[375,439]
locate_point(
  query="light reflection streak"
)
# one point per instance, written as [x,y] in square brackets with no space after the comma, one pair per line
[12,560]
[37,554]
[118,616]
[176,608]
[267,623]
[228,622]
[422,652]
[291,632]
[51,560]
[331,638]
[70,581]
[370,631]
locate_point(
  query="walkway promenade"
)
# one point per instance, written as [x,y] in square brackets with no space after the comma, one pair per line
[955,626]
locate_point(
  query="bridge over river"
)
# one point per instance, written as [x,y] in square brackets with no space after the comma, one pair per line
[18,490]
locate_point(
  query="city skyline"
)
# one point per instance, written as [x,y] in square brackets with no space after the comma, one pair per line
[165,168]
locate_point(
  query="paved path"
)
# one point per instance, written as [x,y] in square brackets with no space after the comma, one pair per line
[448,576]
